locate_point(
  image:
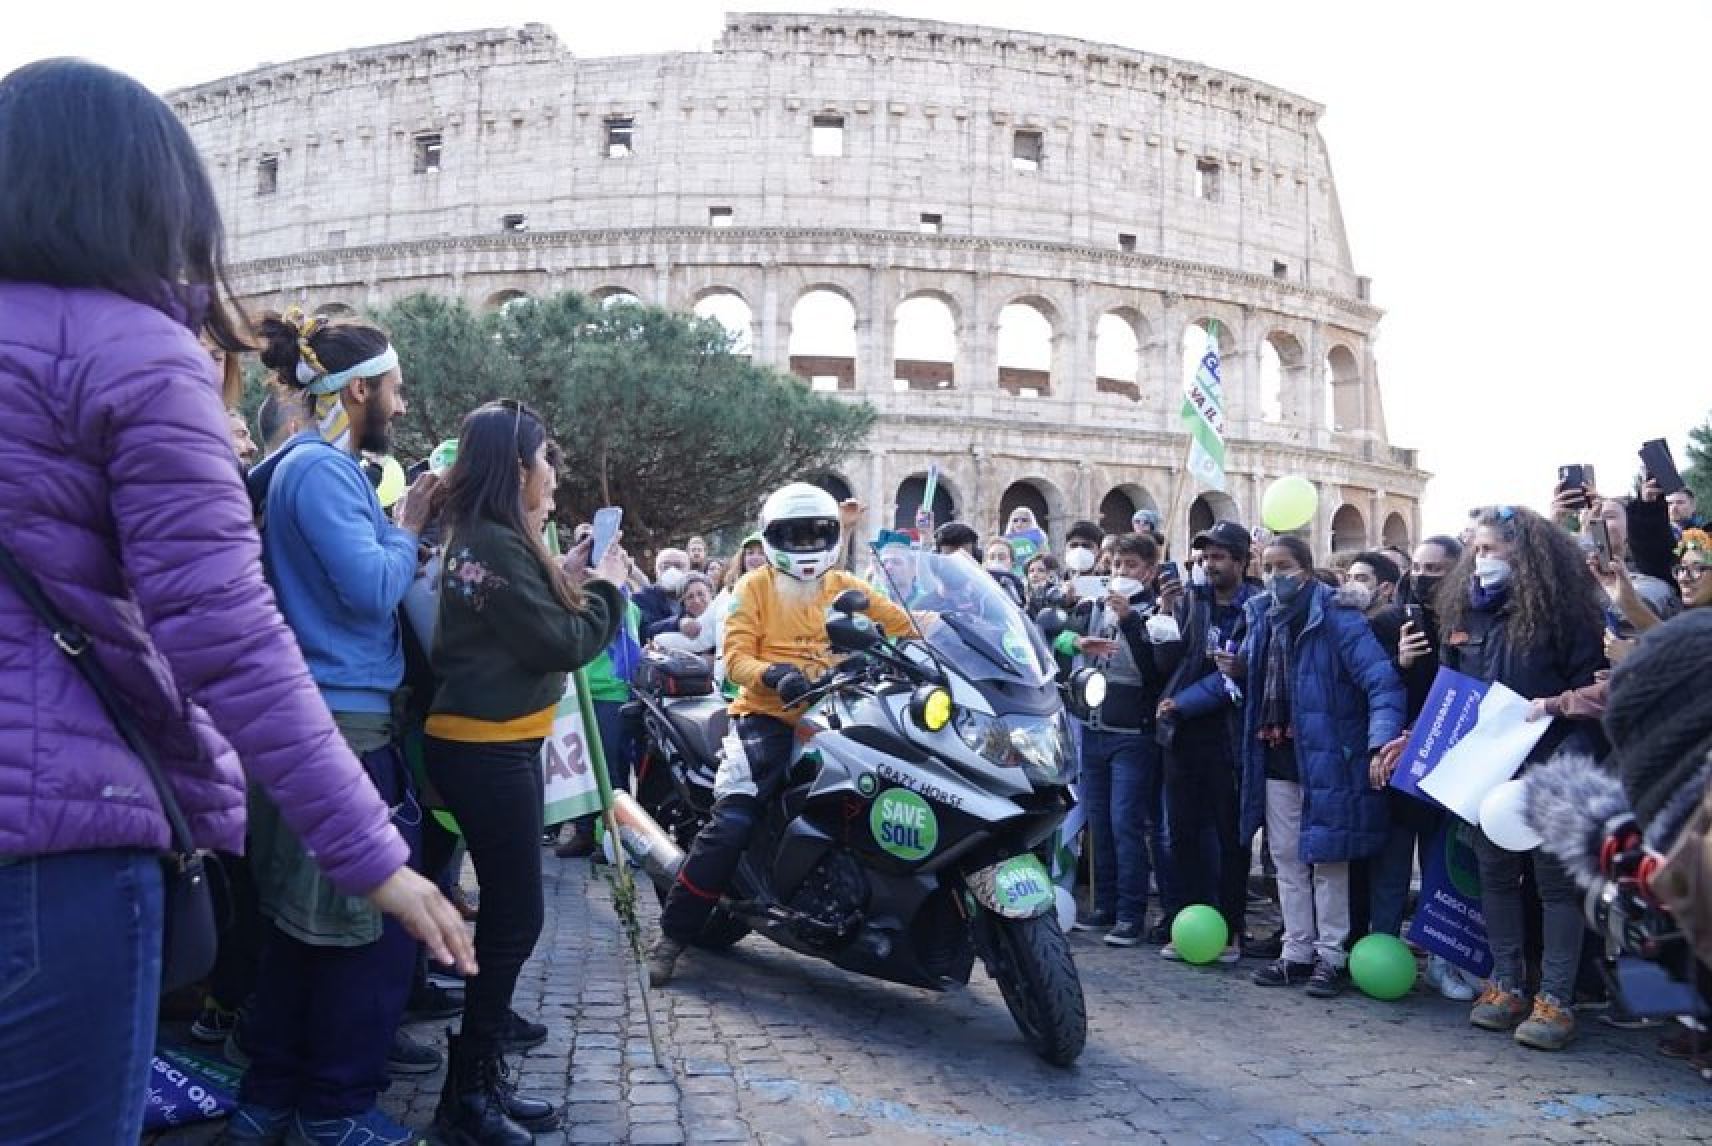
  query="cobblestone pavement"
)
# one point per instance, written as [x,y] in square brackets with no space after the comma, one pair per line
[765,1046]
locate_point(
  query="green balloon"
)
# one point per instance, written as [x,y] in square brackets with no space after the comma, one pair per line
[1383,966]
[1199,933]
[1288,503]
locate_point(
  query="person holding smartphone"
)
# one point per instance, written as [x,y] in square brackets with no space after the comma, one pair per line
[513,622]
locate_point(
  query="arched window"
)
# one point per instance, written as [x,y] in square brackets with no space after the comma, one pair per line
[823,340]
[729,309]
[1283,366]
[1117,354]
[615,296]
[1343,389]
[1025,350]
[910,493]
[832,484]
[1117,508]
[1396,532]
[924,344]
[1037,495]
[1349,529]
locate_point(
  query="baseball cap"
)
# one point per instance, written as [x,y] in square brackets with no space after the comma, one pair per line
[1227,535]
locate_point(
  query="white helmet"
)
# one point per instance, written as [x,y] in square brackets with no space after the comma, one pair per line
[800,531]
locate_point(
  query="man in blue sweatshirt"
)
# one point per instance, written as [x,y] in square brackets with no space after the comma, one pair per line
[334,976]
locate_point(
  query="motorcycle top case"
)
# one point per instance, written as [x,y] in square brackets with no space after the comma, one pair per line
[674,674]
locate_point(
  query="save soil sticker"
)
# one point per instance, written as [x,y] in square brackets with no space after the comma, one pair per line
[904,825]
[1021,885]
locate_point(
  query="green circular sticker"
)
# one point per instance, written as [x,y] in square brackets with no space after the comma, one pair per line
[903,824]
[867,783]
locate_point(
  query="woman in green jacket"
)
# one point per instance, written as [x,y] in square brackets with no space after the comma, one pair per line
[513,622]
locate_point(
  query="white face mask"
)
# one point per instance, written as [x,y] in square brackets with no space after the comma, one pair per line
[1491,572]
[999,565]
[672,579]
[1126,586]
[1079,559]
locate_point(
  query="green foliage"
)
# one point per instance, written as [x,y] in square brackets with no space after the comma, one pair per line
[1698,472]
[652,409]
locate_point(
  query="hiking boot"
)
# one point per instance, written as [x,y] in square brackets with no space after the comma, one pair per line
[371,1129]
[1125,934]
[1549,1028]
[432,1001]
[1094,921]
[1498,1009]
[1282,973]
[253,1125]
[473,1100]
[662,958]
[213,1023]
[520,1034]
[536,1115]
[1327,981]
[408,1056]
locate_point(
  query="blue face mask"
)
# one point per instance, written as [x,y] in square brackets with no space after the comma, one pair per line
[1284,587]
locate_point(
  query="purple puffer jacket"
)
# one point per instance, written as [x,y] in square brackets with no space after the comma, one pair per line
[119,490]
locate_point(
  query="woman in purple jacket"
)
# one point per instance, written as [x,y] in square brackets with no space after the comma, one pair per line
[122,495]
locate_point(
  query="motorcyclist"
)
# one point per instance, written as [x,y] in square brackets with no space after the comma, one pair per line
[775,648]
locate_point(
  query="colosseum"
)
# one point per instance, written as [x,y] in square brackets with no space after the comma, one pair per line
[1009,244]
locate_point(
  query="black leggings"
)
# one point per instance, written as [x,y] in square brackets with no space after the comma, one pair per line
[494,791]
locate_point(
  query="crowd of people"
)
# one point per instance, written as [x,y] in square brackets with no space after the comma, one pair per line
[348,693]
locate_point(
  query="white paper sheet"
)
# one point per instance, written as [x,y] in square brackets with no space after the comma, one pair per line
[1489,754]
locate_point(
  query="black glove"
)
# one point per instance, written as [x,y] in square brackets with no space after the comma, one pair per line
[788,681]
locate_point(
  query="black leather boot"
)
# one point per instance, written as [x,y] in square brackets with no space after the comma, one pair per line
[472,1110]
[533,1114]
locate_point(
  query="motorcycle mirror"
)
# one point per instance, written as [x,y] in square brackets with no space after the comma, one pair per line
[1052,622]
[850,602]
[848,633]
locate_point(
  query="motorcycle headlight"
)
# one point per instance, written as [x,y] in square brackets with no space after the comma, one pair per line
[1039,745]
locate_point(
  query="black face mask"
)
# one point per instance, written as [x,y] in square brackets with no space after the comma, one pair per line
[1422,588]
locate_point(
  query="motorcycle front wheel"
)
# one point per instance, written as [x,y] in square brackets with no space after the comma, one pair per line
[1030,960]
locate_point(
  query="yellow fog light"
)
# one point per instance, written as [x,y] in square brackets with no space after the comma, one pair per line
[930,707]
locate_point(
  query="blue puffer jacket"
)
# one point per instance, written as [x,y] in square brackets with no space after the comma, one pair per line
[1347,703]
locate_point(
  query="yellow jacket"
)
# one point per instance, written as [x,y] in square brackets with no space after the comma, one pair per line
[764,630]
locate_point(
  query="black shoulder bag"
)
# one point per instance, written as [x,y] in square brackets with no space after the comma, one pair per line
[189,935]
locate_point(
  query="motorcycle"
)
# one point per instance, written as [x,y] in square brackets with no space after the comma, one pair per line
[930,774]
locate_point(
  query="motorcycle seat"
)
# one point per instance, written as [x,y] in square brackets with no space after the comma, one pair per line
[701,723]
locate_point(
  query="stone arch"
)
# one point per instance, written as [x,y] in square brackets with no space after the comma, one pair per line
[1349,529]
[500,299]
[336,310]
[612,295]
[1396,532]
[823,337]
[1343,389]
[1039,495]
[833,483]
[732,311]
[1120,338]
[1210,507]
[946,501]
[1117,508]
[1025,343]
[924,342]
[1283,375]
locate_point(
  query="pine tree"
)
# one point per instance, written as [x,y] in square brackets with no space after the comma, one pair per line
[1698,475]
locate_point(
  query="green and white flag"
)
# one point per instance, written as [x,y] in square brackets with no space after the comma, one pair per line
[1204,414]
[570,789]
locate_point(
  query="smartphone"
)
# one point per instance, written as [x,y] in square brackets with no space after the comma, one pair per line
[1169,571]
[1416,616]
[1575,477]
[1661,467]
[1601,534]
[1090,588]
[606,523]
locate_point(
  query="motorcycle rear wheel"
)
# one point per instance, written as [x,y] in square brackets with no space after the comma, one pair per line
[1030,960]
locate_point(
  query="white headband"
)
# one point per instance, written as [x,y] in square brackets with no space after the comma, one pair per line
[382,363]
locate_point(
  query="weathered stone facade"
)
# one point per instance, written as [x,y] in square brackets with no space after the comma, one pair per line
[975,166]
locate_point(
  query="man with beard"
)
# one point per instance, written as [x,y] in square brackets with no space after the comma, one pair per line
[334,977]
[775,648]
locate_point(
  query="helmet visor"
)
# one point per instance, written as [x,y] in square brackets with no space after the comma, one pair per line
[803,534]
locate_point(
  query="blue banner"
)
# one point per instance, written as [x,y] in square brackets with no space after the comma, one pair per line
[1448,920]
[185,1087]
[1452,707]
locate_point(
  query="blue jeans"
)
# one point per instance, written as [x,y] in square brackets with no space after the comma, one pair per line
[1413,825]
[1123,788]
[80,962]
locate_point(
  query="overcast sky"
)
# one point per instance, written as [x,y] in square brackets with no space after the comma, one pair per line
[1525,182]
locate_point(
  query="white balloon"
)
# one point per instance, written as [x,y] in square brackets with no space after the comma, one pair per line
[1502,818]
[1066,910]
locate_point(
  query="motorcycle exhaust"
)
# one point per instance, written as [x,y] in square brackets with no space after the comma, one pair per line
[645,841]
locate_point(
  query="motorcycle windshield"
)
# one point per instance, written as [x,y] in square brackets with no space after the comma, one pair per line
[980,630]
